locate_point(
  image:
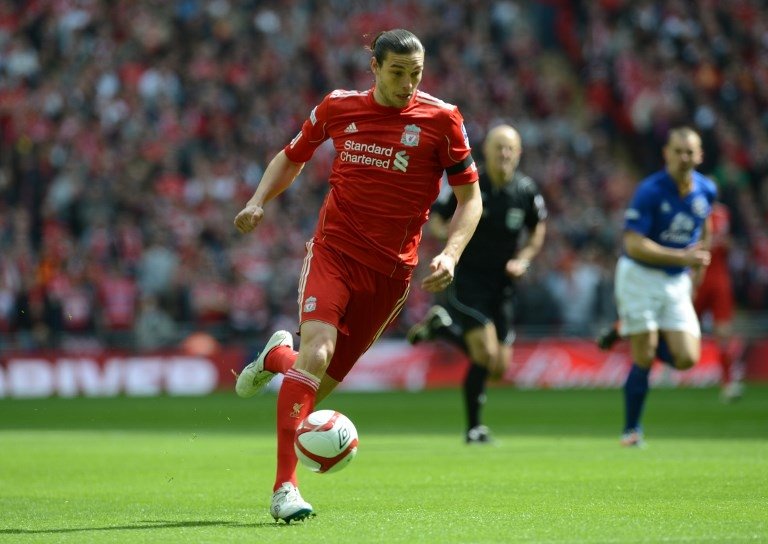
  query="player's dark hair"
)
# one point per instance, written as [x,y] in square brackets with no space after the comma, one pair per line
[398,41]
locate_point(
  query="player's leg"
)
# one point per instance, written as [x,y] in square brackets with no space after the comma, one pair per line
[482,348]
[732,386]
[449,331]
[373,306]
[295,401]
[323,295]
[680,324]
[637,385]
[276,357]
[608,337]
[436,324]
[722,313]
[638,291]
[722,331]
[684,348]
[327,385]
[611,335]
[663,352]
[474,304]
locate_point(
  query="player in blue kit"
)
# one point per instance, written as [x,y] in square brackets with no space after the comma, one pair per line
[665,250]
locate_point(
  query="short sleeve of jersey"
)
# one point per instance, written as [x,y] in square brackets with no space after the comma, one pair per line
[639,215]
[455,155]
[312,134]
[537,212]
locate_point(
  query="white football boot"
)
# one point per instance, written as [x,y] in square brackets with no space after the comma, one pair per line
[253,378]
[288,505]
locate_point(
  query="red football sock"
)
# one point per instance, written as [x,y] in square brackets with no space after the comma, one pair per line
[295,401]
[280,359]
[725,364]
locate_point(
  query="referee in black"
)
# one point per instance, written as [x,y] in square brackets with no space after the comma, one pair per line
[478,312]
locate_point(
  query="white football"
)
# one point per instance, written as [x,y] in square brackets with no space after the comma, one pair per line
[326,441]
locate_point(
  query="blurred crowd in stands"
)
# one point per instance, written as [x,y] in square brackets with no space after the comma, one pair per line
[132,131]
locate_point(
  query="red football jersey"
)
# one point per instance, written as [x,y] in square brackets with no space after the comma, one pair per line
[721,230]
[386,173]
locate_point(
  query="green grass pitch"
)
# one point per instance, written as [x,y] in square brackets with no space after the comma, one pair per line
[200,470]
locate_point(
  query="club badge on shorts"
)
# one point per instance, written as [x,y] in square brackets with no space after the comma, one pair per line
[310,304]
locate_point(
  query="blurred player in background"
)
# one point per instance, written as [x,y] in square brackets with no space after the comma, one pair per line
[393,144]
[715,297]
[479,306]
[665,233]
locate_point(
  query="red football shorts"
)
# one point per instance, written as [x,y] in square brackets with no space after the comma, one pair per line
[359,301]
[715,295]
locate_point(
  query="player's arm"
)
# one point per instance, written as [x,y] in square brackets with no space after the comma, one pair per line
[697,271]
[519,265]
[469,208]
[278,176]
[645,250]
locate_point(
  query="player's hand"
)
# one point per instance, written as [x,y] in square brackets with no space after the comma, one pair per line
[249,218]
[517,267]
[696,255]
[441,277]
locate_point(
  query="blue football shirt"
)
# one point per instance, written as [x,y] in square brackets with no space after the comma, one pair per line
[659,213]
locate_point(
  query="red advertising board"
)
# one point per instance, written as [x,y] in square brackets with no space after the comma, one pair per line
[390,364]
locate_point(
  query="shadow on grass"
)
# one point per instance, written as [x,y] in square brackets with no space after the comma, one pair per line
[145,525]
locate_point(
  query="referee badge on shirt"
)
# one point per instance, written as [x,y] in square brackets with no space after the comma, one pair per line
[515,218]
[410,136]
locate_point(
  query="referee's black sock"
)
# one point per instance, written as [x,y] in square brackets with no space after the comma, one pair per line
[453,334]
[474,393]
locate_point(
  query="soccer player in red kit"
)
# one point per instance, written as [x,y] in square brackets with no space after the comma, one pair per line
[715,296]
[393,144]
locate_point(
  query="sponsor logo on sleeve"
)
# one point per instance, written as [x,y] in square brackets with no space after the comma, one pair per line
[464,132]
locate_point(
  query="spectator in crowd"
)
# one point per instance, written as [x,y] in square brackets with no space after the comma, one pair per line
[154,328]
[158,123]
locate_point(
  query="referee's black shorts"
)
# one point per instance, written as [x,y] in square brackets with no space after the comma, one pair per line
[475,300]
